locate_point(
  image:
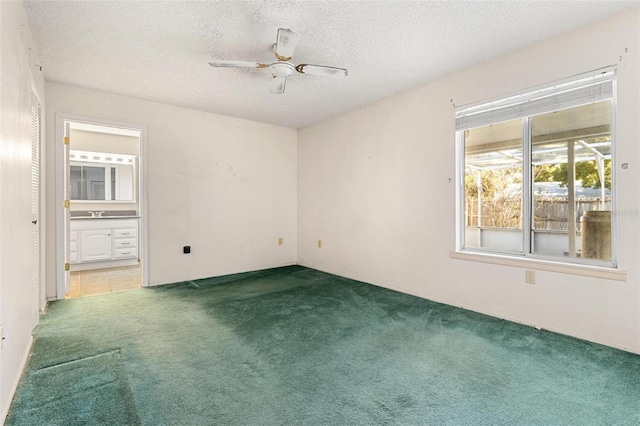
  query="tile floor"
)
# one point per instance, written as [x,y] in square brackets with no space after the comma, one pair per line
[99,281]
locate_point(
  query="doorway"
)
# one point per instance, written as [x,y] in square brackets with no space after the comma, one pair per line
[101,225]
[106,280]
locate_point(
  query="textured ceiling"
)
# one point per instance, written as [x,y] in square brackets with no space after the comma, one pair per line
[159,50]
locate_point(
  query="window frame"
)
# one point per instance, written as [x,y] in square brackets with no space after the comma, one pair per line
[527,255]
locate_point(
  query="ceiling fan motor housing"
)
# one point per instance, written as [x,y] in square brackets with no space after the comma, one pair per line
[281,69]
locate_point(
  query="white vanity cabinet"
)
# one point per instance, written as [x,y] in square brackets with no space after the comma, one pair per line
[101,243]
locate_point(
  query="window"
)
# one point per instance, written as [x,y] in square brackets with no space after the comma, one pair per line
[535,173]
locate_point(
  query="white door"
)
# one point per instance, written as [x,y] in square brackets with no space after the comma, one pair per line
[35,210]
[95,245]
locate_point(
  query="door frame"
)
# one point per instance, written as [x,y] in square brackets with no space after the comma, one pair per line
[60,120]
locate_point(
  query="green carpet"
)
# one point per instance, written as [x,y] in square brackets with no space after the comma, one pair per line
[88,390]
[294,346]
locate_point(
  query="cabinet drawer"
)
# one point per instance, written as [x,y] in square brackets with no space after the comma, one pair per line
[125,253]
[126,233]
[126,243]
[73,235]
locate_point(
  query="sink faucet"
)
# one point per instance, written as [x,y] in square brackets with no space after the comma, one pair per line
[100,214]
[93,214]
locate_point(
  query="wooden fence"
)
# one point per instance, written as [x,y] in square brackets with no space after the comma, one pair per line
[550,214]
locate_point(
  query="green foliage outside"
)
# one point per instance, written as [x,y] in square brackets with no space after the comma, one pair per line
[501,194]
[502,189]
[586,172]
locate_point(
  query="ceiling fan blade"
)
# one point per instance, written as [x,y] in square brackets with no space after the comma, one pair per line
[237,64]
[277,85]
[321,70]
[286,43]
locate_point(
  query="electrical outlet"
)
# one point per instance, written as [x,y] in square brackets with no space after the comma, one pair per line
[280,241]
[319,243]
[530,276]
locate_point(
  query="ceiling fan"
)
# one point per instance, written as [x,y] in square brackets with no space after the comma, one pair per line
[282,68]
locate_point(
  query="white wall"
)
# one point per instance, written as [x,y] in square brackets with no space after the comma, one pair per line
[18,73]
[83,140]
[224,186]
[373,185]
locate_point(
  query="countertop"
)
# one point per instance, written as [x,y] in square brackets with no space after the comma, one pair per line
[103,217]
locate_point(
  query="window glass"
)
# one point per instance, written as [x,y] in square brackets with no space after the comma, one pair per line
[571,163]
[493,187]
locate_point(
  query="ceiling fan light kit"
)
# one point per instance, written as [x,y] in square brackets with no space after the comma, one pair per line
[282,69]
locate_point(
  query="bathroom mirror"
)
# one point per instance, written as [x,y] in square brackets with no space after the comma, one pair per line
[95,176]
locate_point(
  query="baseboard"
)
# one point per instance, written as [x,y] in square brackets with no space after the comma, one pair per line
[519,321]
[14,386]
[226,274]
[526,323]
[615,345]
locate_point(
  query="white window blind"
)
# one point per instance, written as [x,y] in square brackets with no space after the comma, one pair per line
[578,90]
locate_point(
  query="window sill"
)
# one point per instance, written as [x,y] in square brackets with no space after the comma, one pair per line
[543,265]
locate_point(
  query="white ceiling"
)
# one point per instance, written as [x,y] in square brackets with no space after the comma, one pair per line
[159,50]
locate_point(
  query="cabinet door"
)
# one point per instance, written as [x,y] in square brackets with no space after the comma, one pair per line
[73,251]
[95,245]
